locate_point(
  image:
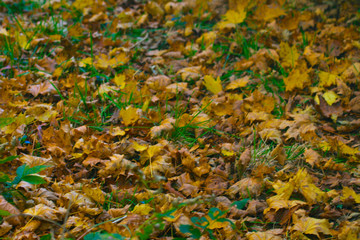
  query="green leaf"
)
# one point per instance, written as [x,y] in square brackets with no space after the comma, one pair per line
[226,220]
[103,236]
[4,177]
[167,214]
[8,159]
[195,233]
[215,213]
[20,171]
[6,121]
[35,169]
[4,213]
[240,204]
[33,179]
[148,230]
[200,222]
[46,237]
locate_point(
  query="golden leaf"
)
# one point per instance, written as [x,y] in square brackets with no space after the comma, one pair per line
[268,12]
[288,55]
[227,153]
[262,236]
[94,193]
[327,79]
[308,225]
[330,97]
[283,191]
[304,183]
[348,192]
[129,115]
[150,152]
[235,17]
[138,147]
[283,204]
[212,85]
[142,209]
[119,80]
[43,211]
[207,38]
[297,79]
[116,131]
[214,224]
[238,83]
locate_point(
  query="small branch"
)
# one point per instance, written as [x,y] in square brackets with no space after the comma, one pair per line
[139,42]
[40,219]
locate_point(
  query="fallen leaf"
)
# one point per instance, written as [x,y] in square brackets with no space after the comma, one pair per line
[212,85]
[313,226]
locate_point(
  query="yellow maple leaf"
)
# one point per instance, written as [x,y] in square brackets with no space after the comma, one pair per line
[338,145]
[138,147]
[160,164]
[330,97]
[348,192]
[129,115]
[212,85]
[23,41]
[79,199]
[227,153]
[313,226]
[225,25]
[43,211]
[142,209]
[235,17]
[283,204]
[150,152]
[327,79]
[262,236]
[324,146]
[94,193]
[104,62]
[207,38]
[42,112]
[268,12]
[120,59]
[238,83]
[347,150]
[85,61]
[283,191]
[119,80]
[297,79]
[307,188]
[116,131]
[289,55]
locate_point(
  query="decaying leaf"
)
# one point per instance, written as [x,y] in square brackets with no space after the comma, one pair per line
[194,119]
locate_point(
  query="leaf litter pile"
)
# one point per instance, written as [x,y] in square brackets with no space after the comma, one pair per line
[179,119]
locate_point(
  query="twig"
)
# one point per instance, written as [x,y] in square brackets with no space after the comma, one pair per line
[41,219]
[139,42]
[65,220]
[113,220]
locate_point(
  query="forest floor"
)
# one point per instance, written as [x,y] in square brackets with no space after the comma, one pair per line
[129,119]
